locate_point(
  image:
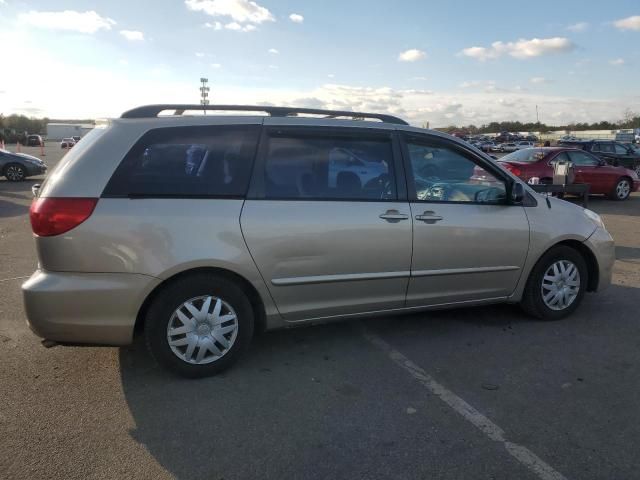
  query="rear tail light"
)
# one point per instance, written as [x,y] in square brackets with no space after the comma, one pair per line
[515,170]
[53,216]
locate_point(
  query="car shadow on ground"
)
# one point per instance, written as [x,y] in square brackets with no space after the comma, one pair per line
[606,206]
[15,197]
[266,411]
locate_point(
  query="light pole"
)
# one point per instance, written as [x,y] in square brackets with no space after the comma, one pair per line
[204,93]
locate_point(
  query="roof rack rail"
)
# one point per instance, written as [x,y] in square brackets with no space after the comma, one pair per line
[148,111]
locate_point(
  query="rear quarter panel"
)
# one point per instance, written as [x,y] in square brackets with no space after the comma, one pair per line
[156,237]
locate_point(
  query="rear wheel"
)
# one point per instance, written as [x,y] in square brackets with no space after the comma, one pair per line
[199,325]
[622,190]
[14,172]
[556,284]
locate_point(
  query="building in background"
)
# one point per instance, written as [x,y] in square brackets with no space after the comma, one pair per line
[58,131]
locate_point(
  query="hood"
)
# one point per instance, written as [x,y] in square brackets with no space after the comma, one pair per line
[29,157]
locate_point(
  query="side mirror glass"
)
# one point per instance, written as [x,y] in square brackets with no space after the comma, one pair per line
[517,193]
[35,189]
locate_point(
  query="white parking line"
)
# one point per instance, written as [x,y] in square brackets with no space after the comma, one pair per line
[13,278]
[490,429]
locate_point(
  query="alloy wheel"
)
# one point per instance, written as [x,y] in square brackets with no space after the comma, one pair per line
[14,173]
[560,285]
[623,189]
[202,330]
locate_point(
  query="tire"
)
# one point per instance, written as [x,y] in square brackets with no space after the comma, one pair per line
[191,333]
[622,190]
[14,172]
[533,301]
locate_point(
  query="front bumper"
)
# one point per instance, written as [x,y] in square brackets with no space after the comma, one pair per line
[33,170]
[603,247]
[93,308]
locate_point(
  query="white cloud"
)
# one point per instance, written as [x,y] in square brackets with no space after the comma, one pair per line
[470,83]
[241,11]
[331,75]
[521,49]
[237,27]
[538,80]
[273,51]
[199,54]
[411,55]
[296,18]
[273,67]
[132,35]
[617,62]
[83,22]
[629,23]
[214,25]
[578,27]
[216,65]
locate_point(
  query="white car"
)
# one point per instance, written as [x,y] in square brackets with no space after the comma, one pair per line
[524,144]
[67,143]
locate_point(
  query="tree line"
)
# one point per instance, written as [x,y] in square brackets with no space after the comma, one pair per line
[630,120]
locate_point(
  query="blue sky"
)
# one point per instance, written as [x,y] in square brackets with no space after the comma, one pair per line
[436,62]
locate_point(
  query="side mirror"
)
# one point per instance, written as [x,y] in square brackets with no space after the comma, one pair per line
[517,193]
[35,189]
[602,163]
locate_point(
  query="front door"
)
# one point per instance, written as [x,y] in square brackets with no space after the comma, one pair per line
[469,243]
[588,169]
[324,221]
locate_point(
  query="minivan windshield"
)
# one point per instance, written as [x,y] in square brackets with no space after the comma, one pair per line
[528,155]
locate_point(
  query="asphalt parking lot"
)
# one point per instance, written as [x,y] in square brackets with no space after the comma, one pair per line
[483,393]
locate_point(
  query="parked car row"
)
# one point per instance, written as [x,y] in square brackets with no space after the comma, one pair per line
[616,182]
[612,152]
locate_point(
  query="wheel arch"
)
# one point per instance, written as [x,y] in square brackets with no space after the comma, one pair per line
[593,270]
[254,297]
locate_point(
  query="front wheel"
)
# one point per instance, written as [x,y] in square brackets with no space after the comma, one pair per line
[622,190]
[199,325]
[14,172]
[556,284]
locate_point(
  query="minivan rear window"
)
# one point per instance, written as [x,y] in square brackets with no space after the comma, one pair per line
[200,161]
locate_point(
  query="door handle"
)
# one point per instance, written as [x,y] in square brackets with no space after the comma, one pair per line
[393,216]
[429,217]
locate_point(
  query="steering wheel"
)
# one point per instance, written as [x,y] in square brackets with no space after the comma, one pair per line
[382,184]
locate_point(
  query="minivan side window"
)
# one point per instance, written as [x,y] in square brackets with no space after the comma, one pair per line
[201,161]
[325,167]
[442,174]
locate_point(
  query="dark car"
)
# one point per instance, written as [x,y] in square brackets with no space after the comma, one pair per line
[18,166]
[34,140]
[604,179]
[614,153]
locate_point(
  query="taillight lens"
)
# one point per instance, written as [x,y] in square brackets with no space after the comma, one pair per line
[53,216]
[515,170]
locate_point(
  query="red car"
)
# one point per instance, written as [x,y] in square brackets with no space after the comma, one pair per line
[605,179]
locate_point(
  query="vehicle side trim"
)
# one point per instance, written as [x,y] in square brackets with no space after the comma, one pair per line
[458,271]
[346,277]
[418,308]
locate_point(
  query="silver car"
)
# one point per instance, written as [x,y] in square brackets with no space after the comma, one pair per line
[199,230]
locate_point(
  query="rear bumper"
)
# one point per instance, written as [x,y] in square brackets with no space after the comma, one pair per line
[604,249]
[93,308]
